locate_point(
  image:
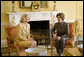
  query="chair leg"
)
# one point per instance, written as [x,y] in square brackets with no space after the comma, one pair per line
[9,53]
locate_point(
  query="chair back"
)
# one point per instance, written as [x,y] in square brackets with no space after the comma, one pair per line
[11,32]
[70,35]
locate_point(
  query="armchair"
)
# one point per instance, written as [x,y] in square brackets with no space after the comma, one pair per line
[11,32]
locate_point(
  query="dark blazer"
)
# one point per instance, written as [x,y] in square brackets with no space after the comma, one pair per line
[62,29]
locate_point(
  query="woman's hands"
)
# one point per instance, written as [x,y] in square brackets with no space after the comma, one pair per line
[54,36]
[58,38]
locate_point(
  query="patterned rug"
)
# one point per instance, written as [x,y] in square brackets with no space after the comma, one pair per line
[67,52]
[72,52]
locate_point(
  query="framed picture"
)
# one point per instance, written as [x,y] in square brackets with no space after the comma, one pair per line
[43,4]
[25,4]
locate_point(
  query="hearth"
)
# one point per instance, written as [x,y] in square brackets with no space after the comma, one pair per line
[40,31]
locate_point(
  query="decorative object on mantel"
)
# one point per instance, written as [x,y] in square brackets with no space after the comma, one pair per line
[36,6]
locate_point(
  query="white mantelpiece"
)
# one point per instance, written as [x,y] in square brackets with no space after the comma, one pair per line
[14,18]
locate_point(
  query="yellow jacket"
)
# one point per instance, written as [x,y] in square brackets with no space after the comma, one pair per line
[23,31]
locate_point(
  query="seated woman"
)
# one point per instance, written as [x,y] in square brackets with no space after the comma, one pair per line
[60,32]
[23,35]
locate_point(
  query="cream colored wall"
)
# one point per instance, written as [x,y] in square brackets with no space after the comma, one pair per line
[79,9]
[5,8]
[68,7]
[72,10]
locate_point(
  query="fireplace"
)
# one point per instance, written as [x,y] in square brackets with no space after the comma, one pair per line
[40,31]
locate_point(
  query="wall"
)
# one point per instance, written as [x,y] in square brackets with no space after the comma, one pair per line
[5,8]
[71,9]
[79,9]
[68,7]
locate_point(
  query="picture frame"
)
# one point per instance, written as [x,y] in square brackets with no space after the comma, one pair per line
[43,4]
[25,4]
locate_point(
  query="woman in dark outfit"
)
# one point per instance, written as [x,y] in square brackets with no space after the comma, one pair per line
[60,32]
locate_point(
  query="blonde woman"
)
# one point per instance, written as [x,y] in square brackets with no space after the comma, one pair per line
[23,35]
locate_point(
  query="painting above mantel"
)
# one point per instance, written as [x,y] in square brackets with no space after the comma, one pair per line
[34,5]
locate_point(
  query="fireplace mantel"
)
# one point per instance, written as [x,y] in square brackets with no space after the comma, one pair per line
[14,18]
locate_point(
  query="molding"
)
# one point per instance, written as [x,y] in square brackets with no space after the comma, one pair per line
[34,16]
[33,12]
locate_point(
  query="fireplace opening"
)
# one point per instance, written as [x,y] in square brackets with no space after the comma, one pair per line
[40,31]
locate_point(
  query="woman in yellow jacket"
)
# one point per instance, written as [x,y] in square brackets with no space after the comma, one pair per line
[23,35]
